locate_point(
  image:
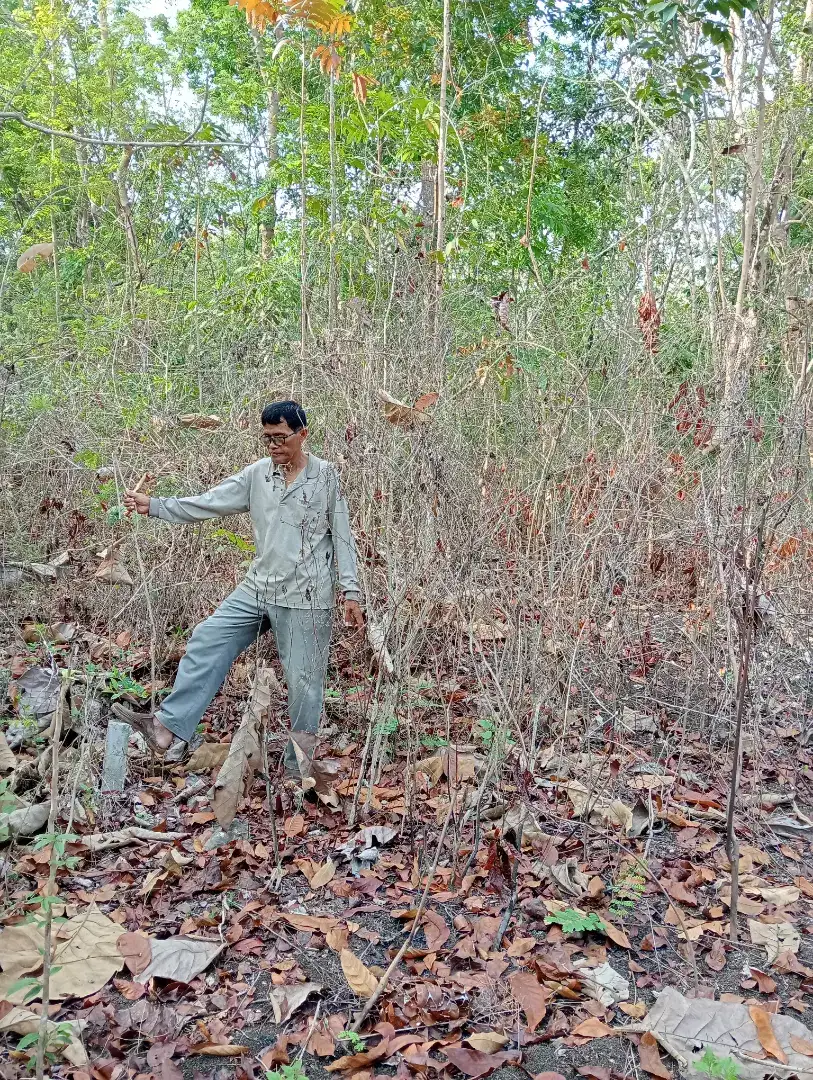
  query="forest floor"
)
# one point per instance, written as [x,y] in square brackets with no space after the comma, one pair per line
[184,950]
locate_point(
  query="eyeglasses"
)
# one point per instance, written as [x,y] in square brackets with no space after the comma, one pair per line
[277,440]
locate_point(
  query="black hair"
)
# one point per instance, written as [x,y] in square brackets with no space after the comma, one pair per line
[290,411]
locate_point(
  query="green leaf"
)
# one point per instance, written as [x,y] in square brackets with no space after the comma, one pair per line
[575,922]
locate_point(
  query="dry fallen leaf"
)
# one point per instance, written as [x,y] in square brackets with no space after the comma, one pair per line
[776,937]
[179,958]
[650,1057]
[8,761]
[765,1033]
[84,956]
[199,422]
[801,1046]
[475,1064]
[285,1000]
[22,1021]
[531,997]
[221,1049]
[592,1028]
[137,951]
[359,977]
[487,1042]
[209,755]
[243,758]
[323,875]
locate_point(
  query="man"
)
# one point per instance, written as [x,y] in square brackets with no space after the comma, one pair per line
[303,547]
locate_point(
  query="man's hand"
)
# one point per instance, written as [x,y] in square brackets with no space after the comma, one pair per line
[138,501]
[353,615]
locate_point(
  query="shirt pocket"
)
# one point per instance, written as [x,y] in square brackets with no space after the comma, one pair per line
[305,514]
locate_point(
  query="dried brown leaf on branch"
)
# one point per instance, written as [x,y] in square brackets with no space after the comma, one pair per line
[406,415]
[31,256]
[199,422]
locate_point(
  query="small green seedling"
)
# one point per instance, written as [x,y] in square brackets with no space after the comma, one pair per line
[724,1068]
[355,1043]
[575,922]
[294,1071]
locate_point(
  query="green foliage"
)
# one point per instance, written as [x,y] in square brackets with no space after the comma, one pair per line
[628,890]
[294,1071]
[725,1068]
[575,922]
[355,1043]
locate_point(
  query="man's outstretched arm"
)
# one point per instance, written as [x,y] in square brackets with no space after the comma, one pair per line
[230,497]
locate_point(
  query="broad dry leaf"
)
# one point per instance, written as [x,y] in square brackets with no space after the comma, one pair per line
[285,1000]
[84,956]
[354,1062]
[689,1027]
[8,762]
[615,934]
[435,929]
[487,1042]
[322,923]
[801,1046]
[779,895]
[592,1028]
[337,938]
[359,977]
[522,946]
[243,758]
[179,958]
[531,997]
[113,572]
[636,1010]
[765,1033]
[776,937]
[650,1057]
[322,876]
[208,756]
[28,260]
[475,1064]
[221,1049]
[137,951]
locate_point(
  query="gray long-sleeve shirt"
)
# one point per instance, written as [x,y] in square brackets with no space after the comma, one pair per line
[300,531]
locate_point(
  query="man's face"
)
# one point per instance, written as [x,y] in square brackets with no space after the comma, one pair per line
[282,444]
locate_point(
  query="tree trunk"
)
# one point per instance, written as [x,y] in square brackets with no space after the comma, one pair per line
[440,184]
[125,210]
[333,270]
[429,174]
[268,214]
[303,224]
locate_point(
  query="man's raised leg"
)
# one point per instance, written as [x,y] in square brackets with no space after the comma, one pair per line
[213,647]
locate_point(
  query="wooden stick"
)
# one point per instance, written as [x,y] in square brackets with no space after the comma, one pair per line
[42,1040]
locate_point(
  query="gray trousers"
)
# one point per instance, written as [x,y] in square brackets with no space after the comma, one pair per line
[303,641]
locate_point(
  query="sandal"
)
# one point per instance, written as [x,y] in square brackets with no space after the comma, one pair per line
[143,724]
